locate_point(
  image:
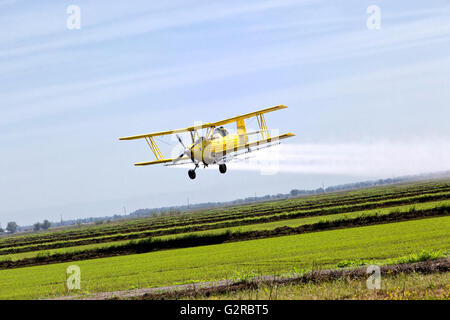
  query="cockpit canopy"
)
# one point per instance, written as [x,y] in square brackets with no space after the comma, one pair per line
[221,130]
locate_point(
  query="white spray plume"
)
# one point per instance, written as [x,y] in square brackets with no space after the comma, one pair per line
[383,158]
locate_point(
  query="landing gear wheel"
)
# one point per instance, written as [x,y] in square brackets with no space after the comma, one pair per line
[191,174]
[222,168]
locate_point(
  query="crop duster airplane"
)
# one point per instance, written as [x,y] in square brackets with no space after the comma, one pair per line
[217,146]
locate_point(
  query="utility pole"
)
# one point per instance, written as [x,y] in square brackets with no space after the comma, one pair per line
[188,202]
[124,210]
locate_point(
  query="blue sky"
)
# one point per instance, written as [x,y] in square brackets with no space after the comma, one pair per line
[66,96]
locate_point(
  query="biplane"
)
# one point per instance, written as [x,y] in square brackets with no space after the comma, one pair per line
[217,145]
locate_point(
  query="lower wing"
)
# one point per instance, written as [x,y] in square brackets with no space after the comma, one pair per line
[167,161]
[256,143]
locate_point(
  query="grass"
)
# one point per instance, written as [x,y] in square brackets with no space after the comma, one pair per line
[214,262]
[399,287]
[424,255]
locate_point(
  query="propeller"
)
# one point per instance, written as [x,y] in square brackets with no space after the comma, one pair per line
[181,141]
[186,151]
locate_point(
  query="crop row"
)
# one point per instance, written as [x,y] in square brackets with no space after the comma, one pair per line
[420,200]
[427,193]
[221,224]
[250,225]
[193,240]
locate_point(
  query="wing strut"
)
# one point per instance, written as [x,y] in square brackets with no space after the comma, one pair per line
[154,147]
[263,126]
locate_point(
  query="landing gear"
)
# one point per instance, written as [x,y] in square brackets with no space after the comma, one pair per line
[222,168]
[191,174]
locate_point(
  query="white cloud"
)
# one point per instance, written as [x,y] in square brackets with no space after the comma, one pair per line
[87,93]
[112,27]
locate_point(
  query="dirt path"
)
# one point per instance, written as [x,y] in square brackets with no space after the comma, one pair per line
[222,286]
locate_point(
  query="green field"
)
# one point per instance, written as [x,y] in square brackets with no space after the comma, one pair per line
[251,227]
[318,204]
[383,242]
[265,256]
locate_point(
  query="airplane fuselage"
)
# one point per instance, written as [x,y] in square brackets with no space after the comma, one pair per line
[210,151]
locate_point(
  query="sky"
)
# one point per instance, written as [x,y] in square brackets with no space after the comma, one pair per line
[364,102]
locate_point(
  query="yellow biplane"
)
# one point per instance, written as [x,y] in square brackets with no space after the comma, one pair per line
[217,145]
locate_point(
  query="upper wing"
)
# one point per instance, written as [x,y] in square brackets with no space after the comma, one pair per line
[163,133]
[206,125]
[247,115]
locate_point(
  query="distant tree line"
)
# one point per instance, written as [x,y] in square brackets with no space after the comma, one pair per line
[11,227]
[348,186]
[41,226]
